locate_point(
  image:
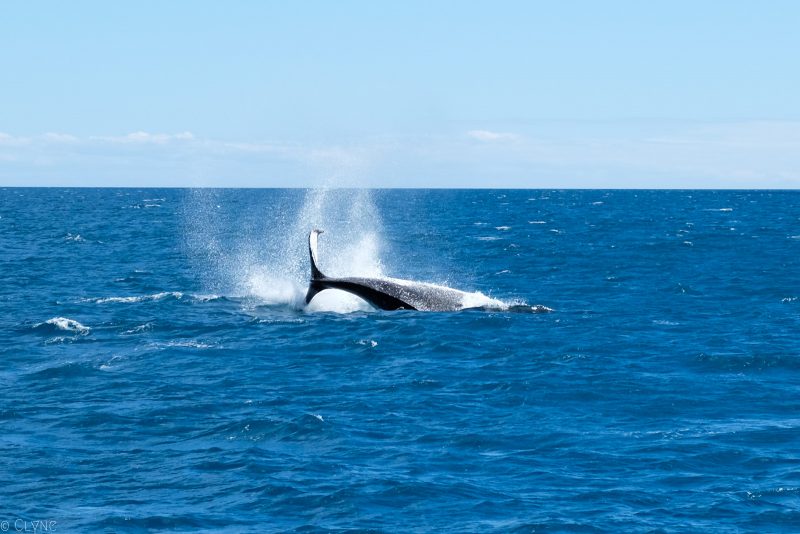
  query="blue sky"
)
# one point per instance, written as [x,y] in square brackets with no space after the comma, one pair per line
[450,94]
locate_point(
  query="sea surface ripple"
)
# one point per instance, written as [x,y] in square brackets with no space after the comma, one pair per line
[160,371]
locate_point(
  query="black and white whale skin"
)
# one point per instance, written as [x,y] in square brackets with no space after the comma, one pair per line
[385,293]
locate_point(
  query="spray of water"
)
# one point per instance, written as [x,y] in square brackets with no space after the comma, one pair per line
[260,252]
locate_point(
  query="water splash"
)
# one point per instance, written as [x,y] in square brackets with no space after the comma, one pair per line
[261,253]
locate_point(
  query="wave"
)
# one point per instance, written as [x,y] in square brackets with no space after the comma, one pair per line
[185,344]
[305,426]
[175,295]
[527,308]
[61,370]
[480,301]
[142,298]
[139,329]
[62,324]
[207,298]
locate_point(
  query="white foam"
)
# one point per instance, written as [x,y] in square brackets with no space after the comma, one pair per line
[502,228]
[188,343]
[664,322]
[272,290]
[138,329]
[269,289]
[141,298]
[479,300]
[206,298]
[109,364]
[337,302]
[67,325]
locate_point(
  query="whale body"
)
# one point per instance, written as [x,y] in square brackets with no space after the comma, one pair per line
[384,293]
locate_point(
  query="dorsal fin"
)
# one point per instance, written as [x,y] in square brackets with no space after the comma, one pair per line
[316,274]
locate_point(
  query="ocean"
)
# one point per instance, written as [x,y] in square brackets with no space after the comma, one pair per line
[627,361]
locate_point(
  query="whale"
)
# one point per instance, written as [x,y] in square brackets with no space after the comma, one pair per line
[384,293]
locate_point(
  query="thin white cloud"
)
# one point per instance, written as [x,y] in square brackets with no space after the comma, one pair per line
[721,154]
[746,135]
[339,157]
[60,138]
[256,148]
[489,136]
[11,140]
[147,138]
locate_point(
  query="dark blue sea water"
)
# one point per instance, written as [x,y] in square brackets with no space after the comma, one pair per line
[160,371]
